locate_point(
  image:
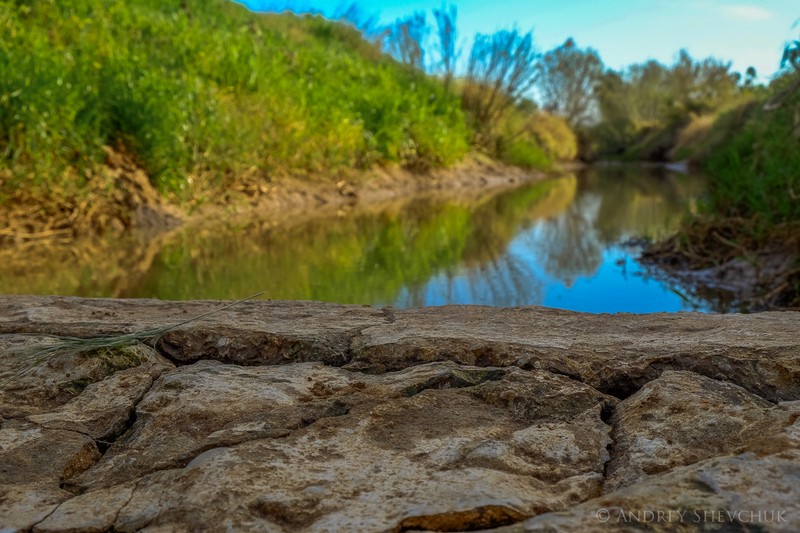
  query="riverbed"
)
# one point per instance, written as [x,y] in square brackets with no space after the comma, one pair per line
[568,242]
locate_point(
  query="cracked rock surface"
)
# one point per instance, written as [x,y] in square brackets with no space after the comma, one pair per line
[300,416]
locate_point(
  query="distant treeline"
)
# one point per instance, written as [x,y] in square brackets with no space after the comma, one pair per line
[635,113]
[745,134]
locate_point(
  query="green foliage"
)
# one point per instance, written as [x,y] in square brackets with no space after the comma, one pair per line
[706,134]
[644,108]
[554,135]
[755,171]
[512,140]
[207,89]
[530,138]
[525,153]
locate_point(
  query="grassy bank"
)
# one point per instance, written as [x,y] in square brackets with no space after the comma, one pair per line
[206,91]
[757,169]
[749,233]
[207,99]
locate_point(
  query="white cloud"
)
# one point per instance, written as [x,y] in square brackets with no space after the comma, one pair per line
[747,12]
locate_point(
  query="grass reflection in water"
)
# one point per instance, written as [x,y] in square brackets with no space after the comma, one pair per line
[505,248]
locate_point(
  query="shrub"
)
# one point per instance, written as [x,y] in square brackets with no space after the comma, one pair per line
[525,153]
[555,136]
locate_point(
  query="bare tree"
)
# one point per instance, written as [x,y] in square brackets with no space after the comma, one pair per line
[354,14]
[567,80]
[447,45]
[791,55]
[501,69]
[405,40]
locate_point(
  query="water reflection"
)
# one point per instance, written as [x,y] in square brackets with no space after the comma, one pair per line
[553,243]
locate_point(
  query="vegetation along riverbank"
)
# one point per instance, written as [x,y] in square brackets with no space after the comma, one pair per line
[116,115]
[211,103]
[744,251]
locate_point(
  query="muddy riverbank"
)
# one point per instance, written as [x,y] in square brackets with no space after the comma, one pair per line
[120,198]
[735,264]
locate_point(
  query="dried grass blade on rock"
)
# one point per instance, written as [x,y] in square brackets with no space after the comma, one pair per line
[34,354]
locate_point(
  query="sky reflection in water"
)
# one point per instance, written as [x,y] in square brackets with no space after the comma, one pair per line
[578,257]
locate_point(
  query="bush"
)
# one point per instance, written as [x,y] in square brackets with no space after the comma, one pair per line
[526,153]
[532,139]
[555,136]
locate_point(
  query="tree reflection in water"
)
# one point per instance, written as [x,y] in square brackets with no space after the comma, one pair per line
[510,248]
[569,244]
[571,233]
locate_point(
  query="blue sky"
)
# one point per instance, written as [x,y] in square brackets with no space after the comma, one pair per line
[623,31]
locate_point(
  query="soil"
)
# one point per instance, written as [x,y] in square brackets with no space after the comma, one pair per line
[119,197]
[291,198]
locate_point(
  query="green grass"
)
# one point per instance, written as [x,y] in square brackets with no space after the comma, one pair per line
[205,95]
[756,171]
[525,153]
[529,138]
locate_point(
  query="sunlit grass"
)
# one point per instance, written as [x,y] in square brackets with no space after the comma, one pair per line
[206,88]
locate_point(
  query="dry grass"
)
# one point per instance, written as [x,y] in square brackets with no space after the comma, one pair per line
[760,261]
[35,353]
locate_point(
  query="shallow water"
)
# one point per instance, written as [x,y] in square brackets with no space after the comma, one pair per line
[558,243]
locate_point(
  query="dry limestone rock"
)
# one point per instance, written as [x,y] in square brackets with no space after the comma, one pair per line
[307,447]
[617,354]
[248,333]
[55,420]
[682,418]
[302,416]
[746,492]
[33,464]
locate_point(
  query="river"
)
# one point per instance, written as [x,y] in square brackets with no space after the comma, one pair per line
[567,242]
